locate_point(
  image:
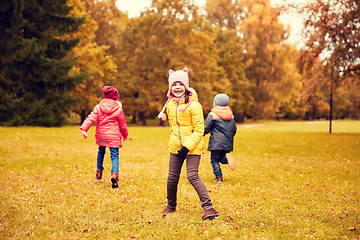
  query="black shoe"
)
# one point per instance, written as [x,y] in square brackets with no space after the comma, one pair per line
[218,178]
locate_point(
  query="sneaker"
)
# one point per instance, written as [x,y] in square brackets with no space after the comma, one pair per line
[218,178]
[231,161]
[115,179]
[99,174]
[210,214]
[168,209]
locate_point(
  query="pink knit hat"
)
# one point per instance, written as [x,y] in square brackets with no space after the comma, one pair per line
[110,92]
[177,76]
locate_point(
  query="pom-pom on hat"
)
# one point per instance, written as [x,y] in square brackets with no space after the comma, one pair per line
[221,99]
[110,92]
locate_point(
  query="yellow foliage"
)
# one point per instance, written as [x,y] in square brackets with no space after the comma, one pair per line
[92,58]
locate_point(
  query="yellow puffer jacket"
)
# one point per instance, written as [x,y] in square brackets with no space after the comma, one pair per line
[187,127]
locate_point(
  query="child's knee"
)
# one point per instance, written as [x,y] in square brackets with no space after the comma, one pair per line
[192,177]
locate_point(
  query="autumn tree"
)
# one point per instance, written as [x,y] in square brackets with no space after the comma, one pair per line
[314,95]
[332,31]
[270,63]
[223,13]
[34,68]
[93,57]
[110,20]
[166,36]
[225,17]
[347,100]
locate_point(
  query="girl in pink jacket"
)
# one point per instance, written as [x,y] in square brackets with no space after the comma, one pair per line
[111,128]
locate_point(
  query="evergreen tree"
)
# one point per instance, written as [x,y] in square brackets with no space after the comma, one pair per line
[34,63]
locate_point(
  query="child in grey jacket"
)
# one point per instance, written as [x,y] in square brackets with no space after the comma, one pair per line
[221,125]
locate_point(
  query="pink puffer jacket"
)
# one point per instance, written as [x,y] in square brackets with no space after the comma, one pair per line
[110,123]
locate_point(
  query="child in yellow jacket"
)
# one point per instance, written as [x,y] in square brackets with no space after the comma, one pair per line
[186,121]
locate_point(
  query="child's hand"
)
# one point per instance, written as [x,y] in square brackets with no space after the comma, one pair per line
[183,152]
[84,134]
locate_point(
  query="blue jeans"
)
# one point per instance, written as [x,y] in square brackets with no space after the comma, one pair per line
[114,155]
[218,157]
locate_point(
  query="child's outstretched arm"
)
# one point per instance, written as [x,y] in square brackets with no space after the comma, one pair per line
[90,120]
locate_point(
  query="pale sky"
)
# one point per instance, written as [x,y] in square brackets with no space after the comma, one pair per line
[294,20]
[134,7]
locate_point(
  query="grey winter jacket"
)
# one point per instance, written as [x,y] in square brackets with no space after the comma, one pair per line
[221,125]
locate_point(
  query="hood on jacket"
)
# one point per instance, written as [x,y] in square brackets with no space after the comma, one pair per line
[109,106]
[224,113]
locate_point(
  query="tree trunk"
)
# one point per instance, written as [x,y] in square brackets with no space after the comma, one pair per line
[82,116]
[239,117]
[331,100]
[134,118]
[142,117]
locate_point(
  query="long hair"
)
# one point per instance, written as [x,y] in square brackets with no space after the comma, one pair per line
[187,96]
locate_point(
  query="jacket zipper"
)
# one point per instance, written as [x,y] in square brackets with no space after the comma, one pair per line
[176,117]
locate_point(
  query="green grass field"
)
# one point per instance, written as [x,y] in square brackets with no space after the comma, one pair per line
[293,180]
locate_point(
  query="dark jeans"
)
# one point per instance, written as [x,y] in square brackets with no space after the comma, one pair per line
[218,157]
[192,169]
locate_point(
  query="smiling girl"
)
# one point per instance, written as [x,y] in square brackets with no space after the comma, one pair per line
[186,121]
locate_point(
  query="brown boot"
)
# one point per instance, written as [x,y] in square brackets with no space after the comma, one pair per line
[210,214]
[99,174]
[168,209]
[115,179]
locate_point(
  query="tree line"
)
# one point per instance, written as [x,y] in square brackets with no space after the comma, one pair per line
[57,55]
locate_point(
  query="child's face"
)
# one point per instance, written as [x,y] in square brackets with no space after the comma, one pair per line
[178,89]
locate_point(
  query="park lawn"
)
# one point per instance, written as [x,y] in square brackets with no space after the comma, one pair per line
[293,180]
